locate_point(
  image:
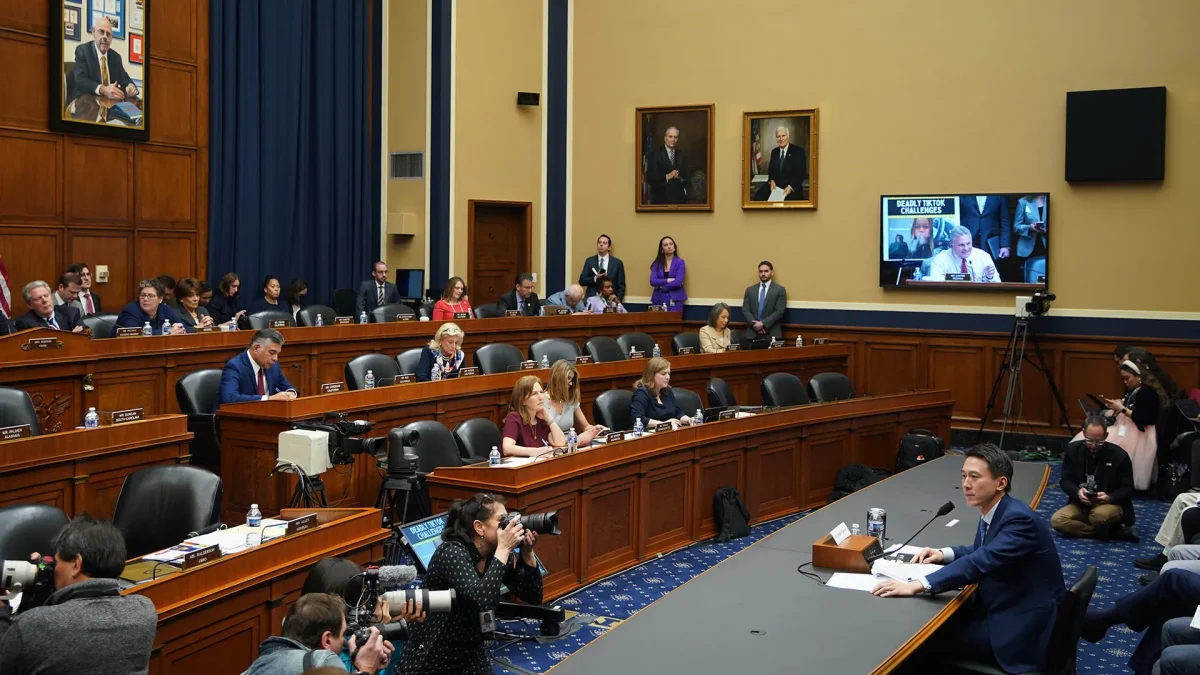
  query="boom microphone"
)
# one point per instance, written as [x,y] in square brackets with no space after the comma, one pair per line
[946,508]
[311,377]
[391,576]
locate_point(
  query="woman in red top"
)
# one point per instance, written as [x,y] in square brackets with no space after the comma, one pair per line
[527,429]
[454,300]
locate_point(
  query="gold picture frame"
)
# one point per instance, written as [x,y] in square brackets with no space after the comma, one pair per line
[762,172]
[687,169]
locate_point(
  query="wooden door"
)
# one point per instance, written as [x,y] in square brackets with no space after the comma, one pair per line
[498,242]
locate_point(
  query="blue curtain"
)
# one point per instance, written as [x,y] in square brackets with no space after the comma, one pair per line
[293,171]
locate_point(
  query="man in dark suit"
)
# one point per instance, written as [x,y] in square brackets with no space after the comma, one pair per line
[376,291]
[667,171]
[98,69]
[987,216]
[763,305]
[255,375]
[1013,560]
[521,297]
[603,266]
[788,168]
[42,312]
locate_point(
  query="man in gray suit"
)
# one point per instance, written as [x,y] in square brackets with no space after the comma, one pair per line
[764,304]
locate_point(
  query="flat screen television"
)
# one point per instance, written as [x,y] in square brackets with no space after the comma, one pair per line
[990,241]
[411,284]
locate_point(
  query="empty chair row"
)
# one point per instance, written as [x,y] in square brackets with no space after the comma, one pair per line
[785,389]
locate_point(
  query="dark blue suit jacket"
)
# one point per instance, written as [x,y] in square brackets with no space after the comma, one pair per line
[993,221]
[1020,584]
[132,316]
[238,385]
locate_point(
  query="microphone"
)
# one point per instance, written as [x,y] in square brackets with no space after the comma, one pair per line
[392,576]
[311,377]
[946,508]
[971,265]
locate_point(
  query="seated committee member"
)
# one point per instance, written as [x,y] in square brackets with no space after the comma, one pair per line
[1133,428]
[315,627]
[788,168]
[149,308]
[603,266]
[606,300]
[1015,563]
[666,276]
[89,302]
[69,286]
[92,627]
[521,297]
[1175,593]
[653,401]
[297,290]
[226,303]
[715,337]
[477,555]
[1098,479]
[255,375]
[763,305]
[963,258]
[562,401]
[42,312]
[376,291]
[98,69]
[443,353]
[187,294]
[453,300]
[268,300]
[527,430]
[571,298]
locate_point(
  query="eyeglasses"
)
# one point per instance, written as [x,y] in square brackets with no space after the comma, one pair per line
[148,296]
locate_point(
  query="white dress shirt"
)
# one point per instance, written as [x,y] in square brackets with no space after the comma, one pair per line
[946,262]
[981,200]
[602,263]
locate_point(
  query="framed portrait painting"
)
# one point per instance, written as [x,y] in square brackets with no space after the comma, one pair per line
[98,79]
[779,159]
[674,159]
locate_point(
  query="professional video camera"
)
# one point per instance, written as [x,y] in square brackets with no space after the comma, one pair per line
[34,581]
[542,523]
[1039,304]
[401,462]
[345,437]
[360,618]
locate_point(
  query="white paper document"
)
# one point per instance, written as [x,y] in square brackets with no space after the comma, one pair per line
[777,195]
[1195,625]
[902,571]
[853,582]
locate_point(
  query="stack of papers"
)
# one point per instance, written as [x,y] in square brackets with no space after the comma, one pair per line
[884,568]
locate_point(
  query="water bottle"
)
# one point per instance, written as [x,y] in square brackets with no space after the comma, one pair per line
[876,523]
[631,351]
[91,420]
[166,327]
[637,427]
[664,305]
[254,516]
[147,331]
[799,340]
[369,380]
[320,320]
[656,352]
[362,318]
[854,529]
[436,374]
[232,325]
[545,361]
[494,457]
[572,441]
[699,418]
[541,311]
[917,274]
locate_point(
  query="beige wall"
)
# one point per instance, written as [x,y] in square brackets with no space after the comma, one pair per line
[407,114]
[933,97]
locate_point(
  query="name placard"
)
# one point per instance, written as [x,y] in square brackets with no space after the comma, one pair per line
[654,308]
[776,344]
[279,323]
[13,433]
[42,343]
[129,331]
[469,371]
[512,312]
[637,355]
[208,329]
[958,276]
[131,415]
[462,315]
[200,556]
[726,414]
[583,359]
[662,426]
[819,341]
[684,351]
[406,317]
[298,525]
[614,436]
[342,320]
[562,311]
[610,310]
[332,387]
[733,347]
[406,379]
[529,365]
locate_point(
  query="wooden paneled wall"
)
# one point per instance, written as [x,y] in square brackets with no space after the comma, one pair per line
[139,208]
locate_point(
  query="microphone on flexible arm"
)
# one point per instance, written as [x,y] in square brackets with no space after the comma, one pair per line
[311,377]
[946,508]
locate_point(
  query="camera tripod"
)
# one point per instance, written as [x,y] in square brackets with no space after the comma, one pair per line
[1015,356]
[310,490]
[386,501]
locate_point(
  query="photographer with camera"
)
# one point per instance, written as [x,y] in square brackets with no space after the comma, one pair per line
[313,636]
[1098,479]
[72,618]
[475,558]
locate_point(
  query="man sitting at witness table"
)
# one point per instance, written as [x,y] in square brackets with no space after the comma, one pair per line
[255,375]
[268,299]
[653,401]
[1014,561]
[42,312]
[149,308]
[763,305]
[963,258]
[716,336]
[607,299]
[527,429]
[443,353]
[89,302]
[521,297]
[453,300]
[376,291]
[571,298]
[1098,479]
[562,402]
[226,302]
[69,286]
[187,293]
[603,266]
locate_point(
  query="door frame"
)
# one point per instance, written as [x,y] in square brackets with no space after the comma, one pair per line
[524,258]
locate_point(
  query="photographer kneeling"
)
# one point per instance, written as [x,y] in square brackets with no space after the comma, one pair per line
[313,636]
[85,625]
[474,561]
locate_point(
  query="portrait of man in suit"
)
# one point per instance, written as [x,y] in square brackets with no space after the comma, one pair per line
[785,175]
[99,81]
[674,158]
[99,70]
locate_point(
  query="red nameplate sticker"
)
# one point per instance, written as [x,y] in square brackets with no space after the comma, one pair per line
[332,387]
[468,371]
[131,415]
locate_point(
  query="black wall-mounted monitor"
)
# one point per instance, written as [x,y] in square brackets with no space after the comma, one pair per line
[1116,134]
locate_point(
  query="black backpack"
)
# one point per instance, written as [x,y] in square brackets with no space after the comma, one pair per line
[853,477]
[730,515]
[917,447]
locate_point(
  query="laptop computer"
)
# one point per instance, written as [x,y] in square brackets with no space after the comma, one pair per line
[424,536]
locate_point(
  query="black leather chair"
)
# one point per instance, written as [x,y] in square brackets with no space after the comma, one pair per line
[719,394]
[497,357]
[196,393]
[687,400]
[476,438]
[408,359]
[384,368]
[261,320]
[488,311]
[345,302]
[682,340]
[16,408]
[783,389]
[435,447]
[611,409]
[103,326]
[642,341]
[604,349]
[555,349]
[160,505]
[387,313]
[29,528]
[425,310]
[308,315]
[825,387]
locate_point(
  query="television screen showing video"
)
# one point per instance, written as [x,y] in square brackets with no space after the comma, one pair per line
[992,241]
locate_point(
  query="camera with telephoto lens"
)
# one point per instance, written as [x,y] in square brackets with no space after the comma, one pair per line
[542,523]
[1039,304]
[346,437]
[361,617]
[34,581]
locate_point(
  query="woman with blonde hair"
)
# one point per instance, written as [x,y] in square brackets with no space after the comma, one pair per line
[1134,416]
[442,354]
[562,402]
[653,400]
[527,430]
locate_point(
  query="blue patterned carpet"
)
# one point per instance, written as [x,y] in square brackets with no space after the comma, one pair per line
[607,603]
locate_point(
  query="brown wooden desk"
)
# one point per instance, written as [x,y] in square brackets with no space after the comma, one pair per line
[622,504]
[211,619]
[82,470]
[250,431]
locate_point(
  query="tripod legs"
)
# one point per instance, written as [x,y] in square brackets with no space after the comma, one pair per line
[1015,356]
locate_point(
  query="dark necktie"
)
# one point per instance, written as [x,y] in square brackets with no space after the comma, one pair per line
[782,156]
[982,531]
[602,266]
[380,301]
[262,383]
[52,322]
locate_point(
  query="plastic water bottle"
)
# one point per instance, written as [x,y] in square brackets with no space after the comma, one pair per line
[917,274]
[436,374]
[542,311]
[875,523]
[494,457]
[799,340]
[369,380]
[699,418]
[232,325]
[854,529]
[362,318]
[545,361]
[632,351]
[572,441]
[320,320]
[147,331]
[254,516]
[664,305]
[656,352]
[166,327]
[91,420]
[637,427]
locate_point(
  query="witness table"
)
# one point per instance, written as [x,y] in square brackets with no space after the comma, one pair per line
[753,613]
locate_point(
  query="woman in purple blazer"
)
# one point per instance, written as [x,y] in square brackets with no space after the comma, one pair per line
[666,276]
